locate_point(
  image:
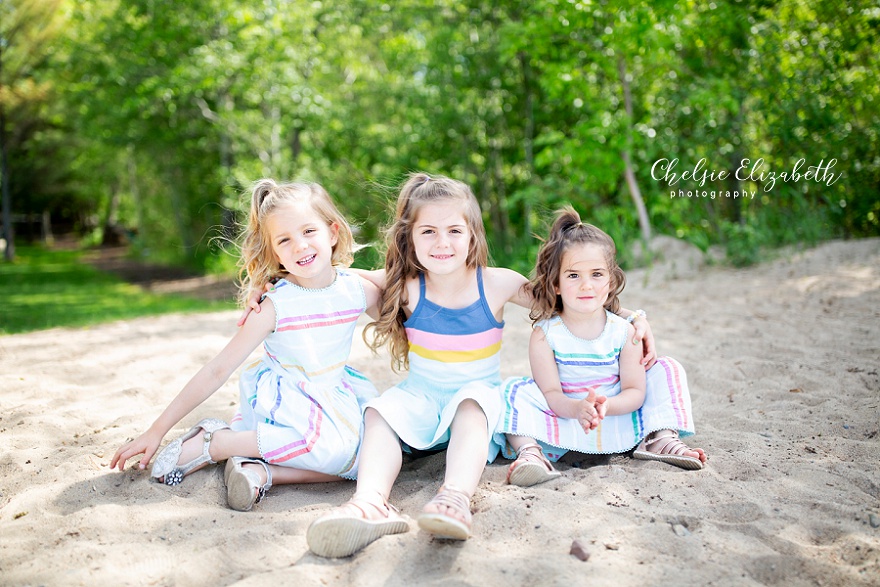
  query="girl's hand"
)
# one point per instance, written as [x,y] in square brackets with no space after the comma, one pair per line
[588,415]
[145,444]
[644,334]
[601,406]
[253,303]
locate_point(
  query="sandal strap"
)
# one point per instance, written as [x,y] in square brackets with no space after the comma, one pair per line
[386,509]
[525,449]
[453,498]
[261,492]
[672,444]
[526,453]
[208,426]
[166,461]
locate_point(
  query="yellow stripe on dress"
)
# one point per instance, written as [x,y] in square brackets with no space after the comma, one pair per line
[456,356]
[331,368]
[301,369]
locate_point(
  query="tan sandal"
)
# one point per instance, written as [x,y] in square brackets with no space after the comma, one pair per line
[446,526]
[347,528]
[530,467]
[670,451]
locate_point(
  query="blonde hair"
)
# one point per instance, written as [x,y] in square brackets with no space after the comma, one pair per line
[258,264]
[401,263]
[566,232]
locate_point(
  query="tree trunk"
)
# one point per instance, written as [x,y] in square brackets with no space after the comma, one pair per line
[46,229]
[528,137]
[134,188]
[110,235]
[181,218]
[636,194]
[8,230]
[629,172]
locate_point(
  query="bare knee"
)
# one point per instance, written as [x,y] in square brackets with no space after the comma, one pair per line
[376,426]
[469,410]
[372,415]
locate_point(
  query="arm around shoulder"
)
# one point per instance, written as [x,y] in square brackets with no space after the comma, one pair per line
[508,286]
[373,297]
[375,276]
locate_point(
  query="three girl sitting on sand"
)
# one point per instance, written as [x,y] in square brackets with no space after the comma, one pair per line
[305,416]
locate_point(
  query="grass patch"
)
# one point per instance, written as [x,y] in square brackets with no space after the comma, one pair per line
[47,289]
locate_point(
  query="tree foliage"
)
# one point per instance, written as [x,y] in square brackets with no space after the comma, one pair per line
[163,112]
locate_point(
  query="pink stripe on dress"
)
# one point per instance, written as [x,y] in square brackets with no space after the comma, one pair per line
[586,386]
[356,311]
[453,342]
[309,438]
[552,423]
[316,324]
[673,380]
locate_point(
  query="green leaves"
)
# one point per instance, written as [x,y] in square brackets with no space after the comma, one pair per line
[164,112]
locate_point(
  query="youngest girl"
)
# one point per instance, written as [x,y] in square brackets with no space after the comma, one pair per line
[589,393]
[299,419]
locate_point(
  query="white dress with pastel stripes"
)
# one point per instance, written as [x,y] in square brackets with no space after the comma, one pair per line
[301,397]
[586,365]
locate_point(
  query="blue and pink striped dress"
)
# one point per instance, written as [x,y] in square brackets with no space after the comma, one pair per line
[593,364]
[454,355]
[302,399]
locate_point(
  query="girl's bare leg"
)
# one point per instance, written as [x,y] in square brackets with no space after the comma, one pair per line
[367,516]
[228,443]
[466,454]
[380,459]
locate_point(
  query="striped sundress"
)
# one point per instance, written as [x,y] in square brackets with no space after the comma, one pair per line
[302,399]
[454,355]
[593,364]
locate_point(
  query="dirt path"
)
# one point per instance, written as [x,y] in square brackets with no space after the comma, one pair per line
[160,278]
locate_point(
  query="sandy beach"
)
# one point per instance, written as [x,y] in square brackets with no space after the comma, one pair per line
[782,360]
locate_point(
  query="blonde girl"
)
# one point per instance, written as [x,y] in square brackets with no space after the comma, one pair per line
[441,318]
[589,392]
[299,418]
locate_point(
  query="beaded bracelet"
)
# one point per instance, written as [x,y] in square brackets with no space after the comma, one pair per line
[637,314]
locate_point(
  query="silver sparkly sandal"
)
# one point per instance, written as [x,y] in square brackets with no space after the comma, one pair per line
[165,468]
[243,488]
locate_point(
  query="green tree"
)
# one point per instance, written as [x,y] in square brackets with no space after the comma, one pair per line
[26,29]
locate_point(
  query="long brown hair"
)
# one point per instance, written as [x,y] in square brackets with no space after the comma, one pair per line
[401,263]
[567,231]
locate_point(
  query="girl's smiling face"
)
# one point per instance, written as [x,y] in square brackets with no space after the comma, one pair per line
[441,237]
[584,279]
[302,242]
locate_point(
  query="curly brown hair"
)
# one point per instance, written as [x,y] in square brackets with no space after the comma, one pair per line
[401,263]
[567,231]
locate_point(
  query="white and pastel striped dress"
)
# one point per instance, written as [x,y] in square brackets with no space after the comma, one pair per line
[301,397]
[586,365]
[454,355]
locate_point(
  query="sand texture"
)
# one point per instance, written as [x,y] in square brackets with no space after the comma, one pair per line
[783,363]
